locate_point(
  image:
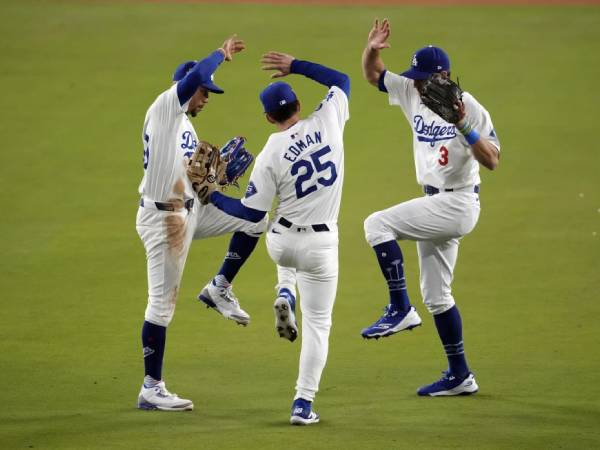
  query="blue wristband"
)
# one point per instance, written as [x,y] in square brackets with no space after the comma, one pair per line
[472,137]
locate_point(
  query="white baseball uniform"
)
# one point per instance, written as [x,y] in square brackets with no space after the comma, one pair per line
[443,160]
[303,167]
[169,139]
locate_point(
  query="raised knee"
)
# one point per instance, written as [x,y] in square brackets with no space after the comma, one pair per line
[376,231]
[256,229]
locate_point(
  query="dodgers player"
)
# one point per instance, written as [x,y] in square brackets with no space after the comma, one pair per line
[168,217]
[302,165]
[447,158]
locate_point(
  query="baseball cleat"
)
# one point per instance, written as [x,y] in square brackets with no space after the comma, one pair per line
[285,318]
[302,413]
[224,301]
[392,321]
[450,385]
[158,398]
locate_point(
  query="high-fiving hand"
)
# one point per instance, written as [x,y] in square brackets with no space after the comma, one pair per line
[379,35]
[277,61]
[231,46]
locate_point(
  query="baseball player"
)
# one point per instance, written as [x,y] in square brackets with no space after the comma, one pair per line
[447,158]
[169,217]
[302,165]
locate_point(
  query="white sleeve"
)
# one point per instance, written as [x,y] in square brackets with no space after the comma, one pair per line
[334,107]
[167,104]
[262,186]
[400,89]
[480,119]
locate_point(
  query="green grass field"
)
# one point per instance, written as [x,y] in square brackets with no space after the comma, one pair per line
[77,78]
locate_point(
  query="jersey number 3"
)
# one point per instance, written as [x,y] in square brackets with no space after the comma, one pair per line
[443,156]
[309,170]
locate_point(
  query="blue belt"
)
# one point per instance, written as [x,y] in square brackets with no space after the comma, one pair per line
[318,227]
[430,190]
[189,204]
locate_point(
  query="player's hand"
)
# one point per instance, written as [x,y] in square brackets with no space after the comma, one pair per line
[460,107]
[277,61]
[379,35]
[231,46]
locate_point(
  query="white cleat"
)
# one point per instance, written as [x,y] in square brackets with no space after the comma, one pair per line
[224,301]
[285,318]
[158,398]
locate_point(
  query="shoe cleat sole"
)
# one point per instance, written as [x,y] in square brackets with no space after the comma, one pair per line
[207,301]
[283,324]
[146,406]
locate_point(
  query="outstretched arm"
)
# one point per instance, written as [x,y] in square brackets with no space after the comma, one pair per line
[235,208]
[372,63]
[205,68]
[285,64]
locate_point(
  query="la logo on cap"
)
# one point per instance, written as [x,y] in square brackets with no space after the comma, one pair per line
[414,60]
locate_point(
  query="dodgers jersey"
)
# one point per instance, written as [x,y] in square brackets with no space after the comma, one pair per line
[443,157]
[303,166]
[169,140]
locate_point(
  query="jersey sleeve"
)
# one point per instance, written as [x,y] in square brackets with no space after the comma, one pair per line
[400,89]
[262,186]
[167,104]
[480,119]
[334,107]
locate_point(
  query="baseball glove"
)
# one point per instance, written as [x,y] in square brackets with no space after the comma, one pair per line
[210,169]
[441,96]
[204,168]
[236,159]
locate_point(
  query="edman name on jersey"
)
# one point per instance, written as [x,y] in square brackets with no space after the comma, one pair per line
[433,133]
[300,145]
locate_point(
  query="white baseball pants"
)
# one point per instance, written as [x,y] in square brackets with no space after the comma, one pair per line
[167,237]
[309,259]
[436,222]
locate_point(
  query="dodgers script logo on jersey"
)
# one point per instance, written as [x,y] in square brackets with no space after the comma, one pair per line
[432,132]
[188,142]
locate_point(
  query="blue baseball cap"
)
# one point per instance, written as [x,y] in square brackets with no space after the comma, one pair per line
[276,95]
[426,61]
[207,78]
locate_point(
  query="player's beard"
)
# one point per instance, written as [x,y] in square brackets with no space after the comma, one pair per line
[195,112]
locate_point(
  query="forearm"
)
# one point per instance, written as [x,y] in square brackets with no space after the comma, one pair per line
[372,65]
[483,150]
[193,80]
[235,208]
[321,74]
[486,153]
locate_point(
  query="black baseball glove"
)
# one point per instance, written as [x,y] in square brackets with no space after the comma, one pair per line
[442,96]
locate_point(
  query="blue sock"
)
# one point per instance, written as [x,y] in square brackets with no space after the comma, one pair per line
[286,293]
[390,260]
[240,248]
[449,328]
[153,342]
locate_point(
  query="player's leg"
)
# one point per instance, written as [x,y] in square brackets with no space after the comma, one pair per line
[166,238]
[382,229]
[218,292]
[437,261]
[285,303]
[440,217]
[317,284]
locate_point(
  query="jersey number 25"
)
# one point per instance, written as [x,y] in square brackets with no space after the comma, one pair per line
[309,170]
